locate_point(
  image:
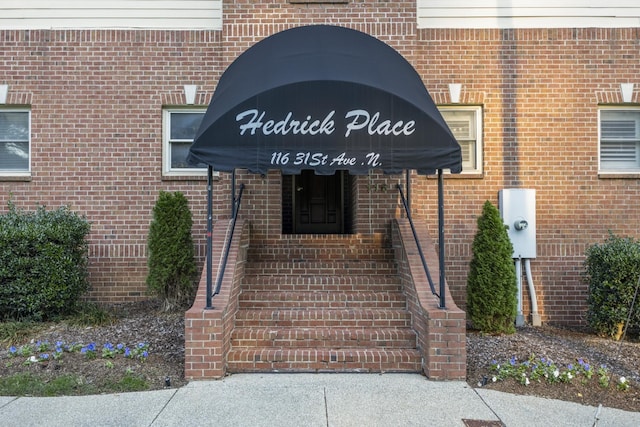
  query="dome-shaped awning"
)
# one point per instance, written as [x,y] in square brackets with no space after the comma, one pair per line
[325,98]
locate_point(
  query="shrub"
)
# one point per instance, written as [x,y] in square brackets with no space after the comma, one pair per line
[43,263]
[491,285]
[172,266]
[612,270]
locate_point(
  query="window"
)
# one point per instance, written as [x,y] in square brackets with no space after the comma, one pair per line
[466,125]
[15,142]
[620,140]
[180,127]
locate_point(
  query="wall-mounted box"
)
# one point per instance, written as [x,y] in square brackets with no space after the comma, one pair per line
[518,209]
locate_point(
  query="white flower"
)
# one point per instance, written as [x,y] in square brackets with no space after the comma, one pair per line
[569,375]
[494,379]
[556,373]
[622,380]
[33,359]
[526,381]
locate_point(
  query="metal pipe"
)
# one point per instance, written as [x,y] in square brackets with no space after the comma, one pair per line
[535,316]
[209,233]
[233,193]
[519,313]
[441,235]
[408,186]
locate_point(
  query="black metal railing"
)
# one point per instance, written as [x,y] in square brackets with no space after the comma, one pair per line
[227,249]
[415,237]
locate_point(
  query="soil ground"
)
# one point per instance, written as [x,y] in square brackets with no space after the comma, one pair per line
[164,365]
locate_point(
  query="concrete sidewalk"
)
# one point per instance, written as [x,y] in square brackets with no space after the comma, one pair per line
[308,400]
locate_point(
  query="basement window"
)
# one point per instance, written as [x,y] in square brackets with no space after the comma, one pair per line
[619,137]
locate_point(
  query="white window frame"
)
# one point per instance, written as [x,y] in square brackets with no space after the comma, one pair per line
[633,166]
[475,135]
[19,172]
[167,170]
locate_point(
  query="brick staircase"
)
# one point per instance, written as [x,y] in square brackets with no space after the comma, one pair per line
[322,304]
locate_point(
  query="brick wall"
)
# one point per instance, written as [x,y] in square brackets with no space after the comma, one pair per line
[97,96]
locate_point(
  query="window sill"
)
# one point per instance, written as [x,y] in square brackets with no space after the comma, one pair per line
[470,175]
[619,175]
[189,177]
[318,1]
[15,178]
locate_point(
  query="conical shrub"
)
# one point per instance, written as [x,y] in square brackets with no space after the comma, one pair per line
[491,284]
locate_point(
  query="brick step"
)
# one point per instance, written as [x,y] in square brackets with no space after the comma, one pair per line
[334,338]
[345,318]
[327,283]
[319,268]
[323,360]
[321,299]
[329,240]
[310,253]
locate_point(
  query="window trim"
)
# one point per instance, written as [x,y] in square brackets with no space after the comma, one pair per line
[4,173]
[618,172]
[479,142]
[167,171]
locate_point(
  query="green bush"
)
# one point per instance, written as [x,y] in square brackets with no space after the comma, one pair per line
[172,266]
[43,263]
[491,284]
[612,270]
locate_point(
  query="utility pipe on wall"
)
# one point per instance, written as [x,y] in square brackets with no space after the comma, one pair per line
[535,316]
[519,314]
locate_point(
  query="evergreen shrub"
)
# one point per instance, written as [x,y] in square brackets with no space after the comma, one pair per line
[612,270]
[491,284]
[43,263]
[171,262]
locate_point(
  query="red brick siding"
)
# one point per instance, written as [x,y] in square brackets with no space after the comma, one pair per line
[97,97]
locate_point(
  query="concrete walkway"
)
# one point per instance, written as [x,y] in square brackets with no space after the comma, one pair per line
[309,400]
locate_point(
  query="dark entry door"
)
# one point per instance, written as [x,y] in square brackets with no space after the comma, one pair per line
[318,203]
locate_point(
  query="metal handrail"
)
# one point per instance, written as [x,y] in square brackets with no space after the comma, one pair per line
[415,236]
[236,209]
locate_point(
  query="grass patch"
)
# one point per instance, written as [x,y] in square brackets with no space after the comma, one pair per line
[129,382]
[14,332]
[28,384]
[90,314]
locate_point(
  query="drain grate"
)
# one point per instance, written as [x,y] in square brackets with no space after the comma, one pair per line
[482,423]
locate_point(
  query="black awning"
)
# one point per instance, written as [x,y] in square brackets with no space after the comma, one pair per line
[324,98]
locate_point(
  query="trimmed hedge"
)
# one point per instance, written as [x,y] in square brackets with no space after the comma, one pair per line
[43,263]
[492,292]
[612,270]
[172,265]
